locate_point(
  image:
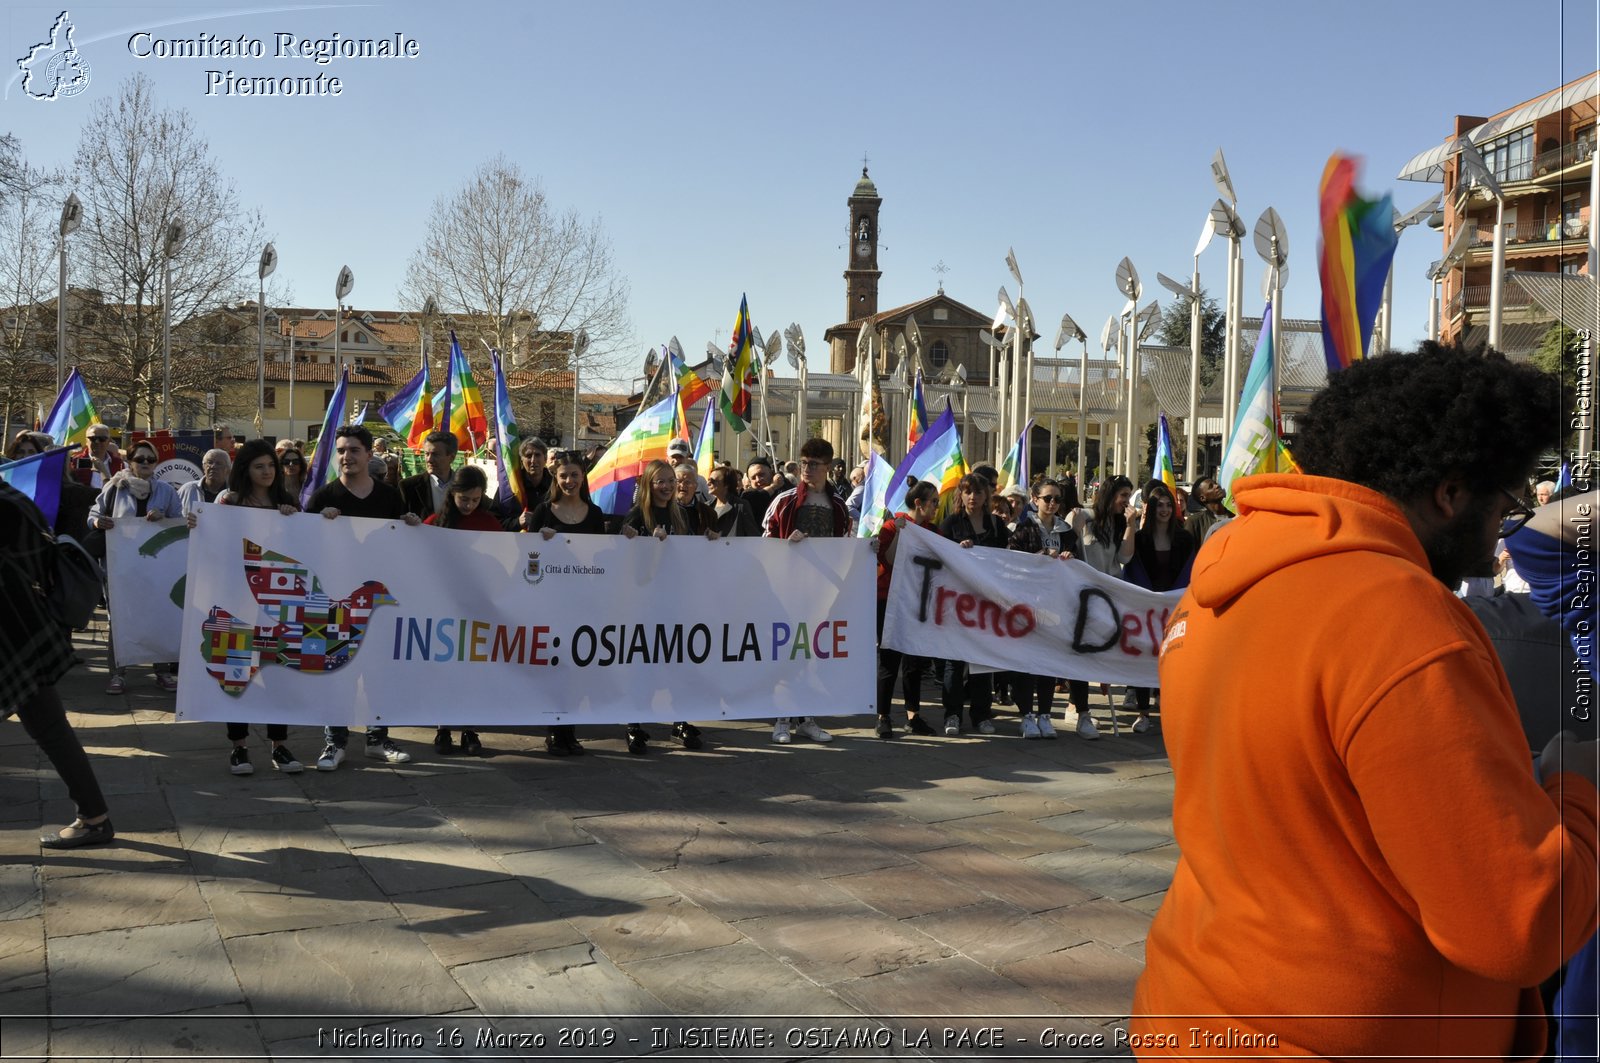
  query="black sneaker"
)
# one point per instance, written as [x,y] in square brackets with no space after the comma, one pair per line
[687,734]
[885,728]
[556,747]
[283,760]
[471,746]
[239,761]
[444,745]
[918,726]
[637,739]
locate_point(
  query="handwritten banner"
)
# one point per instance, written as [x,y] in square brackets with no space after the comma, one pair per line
[303,620]
[1010,611]
[145,564]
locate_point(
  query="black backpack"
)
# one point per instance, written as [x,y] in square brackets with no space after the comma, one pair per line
[76,583]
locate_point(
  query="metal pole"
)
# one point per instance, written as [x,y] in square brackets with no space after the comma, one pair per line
[1083,388]
[798,430]
[1497,273]
[1433,309]
[1131,459]
[292,328]
[1192,426]
[338,312]
[61,320]
[1277,348]
[261,358]
[1381,335]
[166,343]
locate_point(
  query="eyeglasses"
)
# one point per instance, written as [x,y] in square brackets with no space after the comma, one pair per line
[145,459]
[294,461]
[99,439]
[1056,499]
[1515,517]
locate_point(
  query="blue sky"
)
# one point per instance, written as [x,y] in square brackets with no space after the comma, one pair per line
[718,141]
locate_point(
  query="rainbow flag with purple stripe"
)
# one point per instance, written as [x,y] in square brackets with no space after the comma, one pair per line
[410,412]
[1014,469]
[613,478]
[464,403]
[322,469]
[919,413]
[687,381]
[739,371]
[937,457]
[39,476]
[506,432]
[72,414]
[1161,466]
[705,449]
[1354,253]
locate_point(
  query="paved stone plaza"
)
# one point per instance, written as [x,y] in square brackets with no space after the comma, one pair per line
[914,885]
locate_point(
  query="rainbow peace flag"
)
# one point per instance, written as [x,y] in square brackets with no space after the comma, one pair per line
[1354,252]
[612,480]
[1256,444]
[410,412]
[873,490]
[465,403]
[687,382]
[1014,469]
[72,414]
[39,476]
[739,371]
[705,450]
[1161,467]
[937,457]
[508,436]
[919,413]
[322,468]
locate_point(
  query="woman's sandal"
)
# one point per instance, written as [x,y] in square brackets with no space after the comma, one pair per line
[81,834]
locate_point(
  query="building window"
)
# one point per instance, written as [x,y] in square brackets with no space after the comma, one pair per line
[327,398]
[361,337]
[380,397]
[938,354]
[1510,158]
[547,418]
[269,398]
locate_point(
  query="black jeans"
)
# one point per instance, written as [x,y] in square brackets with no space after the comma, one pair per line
[276,732]
[45,721]
[962,687]
[893,664]
[1033,693]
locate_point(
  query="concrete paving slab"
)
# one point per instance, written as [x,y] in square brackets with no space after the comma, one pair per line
[1096,872]
[299,900]
[21,891]
[406,867]
[497,830]
[22,954]
[1089,980]
[221,1033]
[595,879]
[843,943]
[88,904]
[661,926]
[749,889]
[574,980]
[1009,835]
[993,932]
[1012,881]
[484,921]
[142,970]
[658,840]
[907,891]
[1104,920]
[737,979]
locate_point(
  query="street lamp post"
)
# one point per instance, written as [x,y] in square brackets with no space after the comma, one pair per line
[1383,335]
[269,262]
[171,245]
[1272,244]
[1128,284]
[1192,293]
[342,287]
[1473,168]
[1068,332]
[797,361]
[71,218]
[580,344]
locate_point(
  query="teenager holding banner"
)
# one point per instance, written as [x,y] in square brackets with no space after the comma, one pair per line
[356,494]
[1163,554]
[568,511]
[972,525]
[131,494]
[256,481]
[923,498]
[463,508]
[1042,532]
[733,515]
[805,510]
[1105,544]
[656,514]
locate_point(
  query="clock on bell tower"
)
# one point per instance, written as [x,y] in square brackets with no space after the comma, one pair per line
[861,268]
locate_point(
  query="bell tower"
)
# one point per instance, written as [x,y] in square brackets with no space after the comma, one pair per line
[861,268]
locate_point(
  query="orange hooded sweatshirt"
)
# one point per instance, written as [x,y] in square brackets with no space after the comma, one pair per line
[1369,867]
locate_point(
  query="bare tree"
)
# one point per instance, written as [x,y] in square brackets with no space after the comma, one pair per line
[30,203]
[518,274]
[140,167]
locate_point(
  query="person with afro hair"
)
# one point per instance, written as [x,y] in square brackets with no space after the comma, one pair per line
[1370,865]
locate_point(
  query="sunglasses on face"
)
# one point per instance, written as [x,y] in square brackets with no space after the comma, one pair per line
[99,439]
[143,459]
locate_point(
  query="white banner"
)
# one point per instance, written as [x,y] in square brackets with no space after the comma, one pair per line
[303,620]
[145,564]
[1011,611]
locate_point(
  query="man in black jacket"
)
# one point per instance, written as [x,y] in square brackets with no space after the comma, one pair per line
[424,493]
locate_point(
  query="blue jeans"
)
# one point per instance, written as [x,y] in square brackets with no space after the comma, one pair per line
[338,736]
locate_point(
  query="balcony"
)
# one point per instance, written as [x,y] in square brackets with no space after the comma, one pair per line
[1476,297]
[1530,232]
[1552,162]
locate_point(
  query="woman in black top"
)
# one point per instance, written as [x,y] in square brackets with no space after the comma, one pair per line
[1163,554]
[567,510]
[733,515]
[971,525]
[656,513]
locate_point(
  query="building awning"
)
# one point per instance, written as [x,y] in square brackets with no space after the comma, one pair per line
[1572,299]
[1429,166]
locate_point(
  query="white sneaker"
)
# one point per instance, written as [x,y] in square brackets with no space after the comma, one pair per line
[1030,725]
[985,727]
[1046,728]
[780,732]
[1141,725]
[387,750]
[332,757]
[808,728]
[1086,727]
